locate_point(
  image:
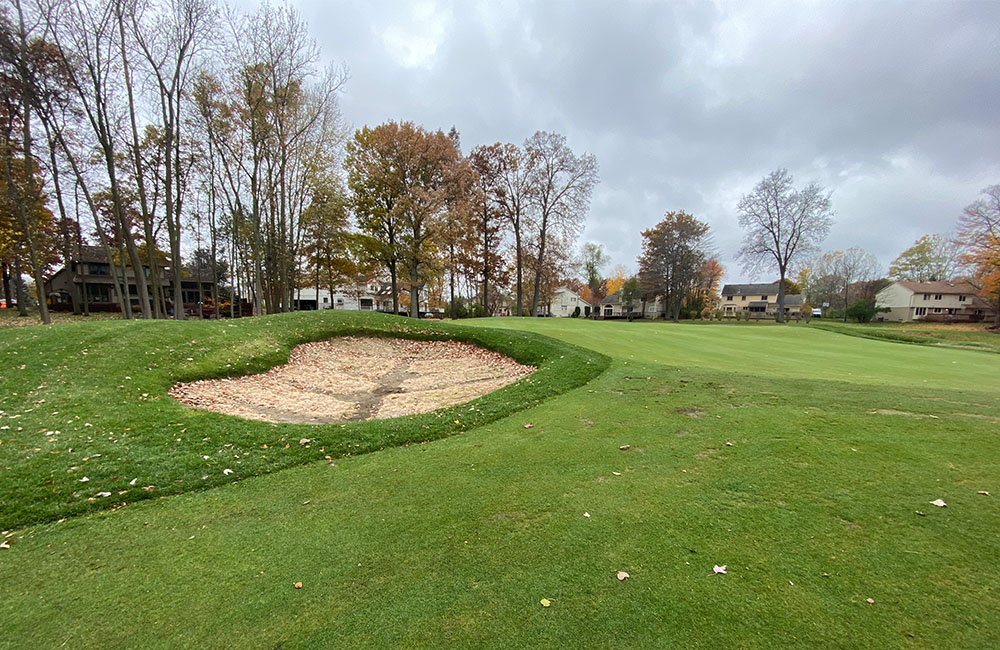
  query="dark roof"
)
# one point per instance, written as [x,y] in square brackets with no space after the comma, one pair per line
[758,303]
[748,289]
[613,299]
[793,299]
[939,287]
[93,254]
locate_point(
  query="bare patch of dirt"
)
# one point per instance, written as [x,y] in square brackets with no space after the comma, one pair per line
[351,378]
[692,411]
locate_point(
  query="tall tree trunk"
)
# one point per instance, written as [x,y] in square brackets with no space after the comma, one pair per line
[8,296]
[520,268]
[22,298]
[29,197]
[540,266]
[394,282]
[65,236]
[781,296]
[414,289]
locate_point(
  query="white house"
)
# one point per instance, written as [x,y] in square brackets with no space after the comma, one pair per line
[362,299]
[934,301]
[565,302]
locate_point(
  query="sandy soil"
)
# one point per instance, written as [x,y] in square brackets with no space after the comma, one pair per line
[350,378]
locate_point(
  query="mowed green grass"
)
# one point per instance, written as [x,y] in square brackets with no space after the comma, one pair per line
[812,507]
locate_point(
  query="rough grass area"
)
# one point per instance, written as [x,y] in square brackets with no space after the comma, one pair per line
[797,458]
[86,423]
[958,335]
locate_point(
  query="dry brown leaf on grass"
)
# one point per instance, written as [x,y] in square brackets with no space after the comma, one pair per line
[528,425]
[545,602]
[227,471]
[622,575]
[298,585]
[939,503]
[719,570]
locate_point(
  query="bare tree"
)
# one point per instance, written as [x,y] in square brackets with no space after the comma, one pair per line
[512,191]
[848,267]
[562,184]
[782,224]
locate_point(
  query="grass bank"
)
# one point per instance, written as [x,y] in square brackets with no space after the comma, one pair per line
[84,410]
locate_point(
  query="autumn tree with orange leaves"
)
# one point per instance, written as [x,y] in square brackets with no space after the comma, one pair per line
[979,232]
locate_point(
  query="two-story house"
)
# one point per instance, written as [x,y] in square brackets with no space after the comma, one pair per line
[932,301]
[91,274]
[565,302]
[759,300]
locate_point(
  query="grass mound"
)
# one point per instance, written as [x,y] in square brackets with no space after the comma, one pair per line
[86,423]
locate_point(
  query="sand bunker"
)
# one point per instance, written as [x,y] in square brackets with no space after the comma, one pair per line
[349,378]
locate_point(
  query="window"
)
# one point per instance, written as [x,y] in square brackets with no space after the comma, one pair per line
[99,269]
[937,296]
[743,297]
[961,298]
[98,293]
[927,296]
[763,297]
[564,307]
[326,299]
[921,311]
[729,298]
[938,310]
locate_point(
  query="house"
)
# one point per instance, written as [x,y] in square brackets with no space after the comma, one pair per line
[564,303]
[362,298]
[91,274]
[931,301]
[759,300]
[612,307]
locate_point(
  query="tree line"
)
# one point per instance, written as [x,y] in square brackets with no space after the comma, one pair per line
[155,128]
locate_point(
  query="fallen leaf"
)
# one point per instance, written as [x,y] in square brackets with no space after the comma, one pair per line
[298,585]
[132,482]
[625,447]
[545,602]
[84,479]
[103,494]
[623,576]
[227,471]
[870,601]
[939,503]
[719,569]
[587,515]
[617,473]
[920,513]
[528,425]
[303,441]
[4,545]
[984,493]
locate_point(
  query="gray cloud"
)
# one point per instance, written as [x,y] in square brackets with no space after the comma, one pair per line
[891,106]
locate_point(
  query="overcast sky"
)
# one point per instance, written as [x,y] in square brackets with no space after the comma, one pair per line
[894,107]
